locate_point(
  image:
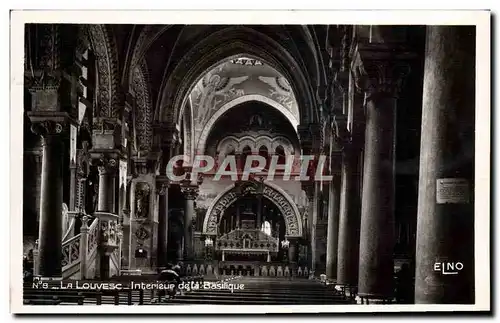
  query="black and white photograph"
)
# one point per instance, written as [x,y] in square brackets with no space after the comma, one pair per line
[204,162]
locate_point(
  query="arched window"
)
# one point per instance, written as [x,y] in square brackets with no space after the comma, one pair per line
[247,151]
[264,153]
[230,153]
[266,228]
[280,152]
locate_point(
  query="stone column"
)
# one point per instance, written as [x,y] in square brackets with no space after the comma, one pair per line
[315,209]
[107,167]
[309,189]
[238,225]
[349,221]
[292,251]
[259,212]
[383,76]
[50,234]
[311,140]
[333,228]
[445,216]
[312,196]
[190,193]
[162,186]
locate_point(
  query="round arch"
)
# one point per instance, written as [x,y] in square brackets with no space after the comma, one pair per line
[227,43]
[202,141]
[188,135]
[104,47]
[272,192]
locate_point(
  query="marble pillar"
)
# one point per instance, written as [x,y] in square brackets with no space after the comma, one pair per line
[50,229]
[190,193]
[376,267]
[445,216]
[107,166]
[292,251]
[309,189]
[107,181]
[384,75]
[314,225]
[349,221]
[333,228]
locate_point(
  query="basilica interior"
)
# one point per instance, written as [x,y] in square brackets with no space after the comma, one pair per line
[392,108]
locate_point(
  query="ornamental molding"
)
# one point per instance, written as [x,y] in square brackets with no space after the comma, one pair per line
[276,195]
[105,51]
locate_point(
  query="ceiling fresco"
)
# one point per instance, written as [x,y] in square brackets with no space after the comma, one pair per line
[235,79]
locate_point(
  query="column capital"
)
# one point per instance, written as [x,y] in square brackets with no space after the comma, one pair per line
[341,135]
[190,191]
[45,123]
[380,69]
[162,184]
[106,163]
[146,163]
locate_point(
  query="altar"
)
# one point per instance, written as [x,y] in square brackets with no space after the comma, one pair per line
[248,243]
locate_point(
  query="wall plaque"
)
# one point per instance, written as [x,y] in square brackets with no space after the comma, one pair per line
[452,191]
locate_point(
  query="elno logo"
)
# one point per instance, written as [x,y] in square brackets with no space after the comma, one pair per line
[448,268]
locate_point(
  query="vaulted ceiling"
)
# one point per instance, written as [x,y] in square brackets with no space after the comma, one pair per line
[175,55]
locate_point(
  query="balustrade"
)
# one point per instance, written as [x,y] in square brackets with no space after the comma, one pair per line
[70,252]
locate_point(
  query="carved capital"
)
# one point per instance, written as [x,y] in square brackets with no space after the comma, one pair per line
[47,128]
[380,70]
[162,184]
[50,122]
[140,165]
[106,165]
[190,191]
